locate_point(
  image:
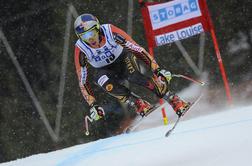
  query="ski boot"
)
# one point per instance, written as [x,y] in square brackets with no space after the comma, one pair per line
[179,106]
[141,106]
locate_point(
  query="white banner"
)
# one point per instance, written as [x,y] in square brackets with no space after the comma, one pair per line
[168,13]
[179,34]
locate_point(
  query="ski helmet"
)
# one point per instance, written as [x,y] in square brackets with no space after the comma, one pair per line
[86,26]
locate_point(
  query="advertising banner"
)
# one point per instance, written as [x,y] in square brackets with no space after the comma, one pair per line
[169,13]
[174,20]
[179,34]
[177,20]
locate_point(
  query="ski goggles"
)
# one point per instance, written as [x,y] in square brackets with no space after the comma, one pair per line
[86,36]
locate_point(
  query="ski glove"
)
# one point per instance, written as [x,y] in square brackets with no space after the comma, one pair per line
[96,112]
[164,74]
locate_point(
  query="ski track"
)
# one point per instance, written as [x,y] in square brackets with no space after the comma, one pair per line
[201,133]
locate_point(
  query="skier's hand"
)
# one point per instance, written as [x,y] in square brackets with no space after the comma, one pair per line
[96,112]
[164,74]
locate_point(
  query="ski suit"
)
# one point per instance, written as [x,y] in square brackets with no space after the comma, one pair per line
[112,64]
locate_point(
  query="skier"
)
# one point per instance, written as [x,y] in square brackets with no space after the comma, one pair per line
[106,48]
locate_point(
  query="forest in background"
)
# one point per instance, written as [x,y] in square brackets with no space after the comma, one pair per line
[35,30]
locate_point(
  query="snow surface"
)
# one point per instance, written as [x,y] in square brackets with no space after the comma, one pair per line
[220,139]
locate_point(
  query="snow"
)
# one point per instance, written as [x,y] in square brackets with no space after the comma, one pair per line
[220,139]
[238,43]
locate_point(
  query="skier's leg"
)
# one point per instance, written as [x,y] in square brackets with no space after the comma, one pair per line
[156,85]
[108,80]
[160,88]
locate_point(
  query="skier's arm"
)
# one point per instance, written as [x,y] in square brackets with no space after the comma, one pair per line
[82,73]
[128,43]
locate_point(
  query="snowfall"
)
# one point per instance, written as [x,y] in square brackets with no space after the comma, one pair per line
[220,138]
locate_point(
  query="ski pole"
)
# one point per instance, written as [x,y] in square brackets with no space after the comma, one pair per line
[189,78]
[87,118]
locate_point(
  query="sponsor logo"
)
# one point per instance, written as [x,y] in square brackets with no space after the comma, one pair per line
[84,75]
[109,87]
[179,34]
[134,47]
[172,12]
[105,54]
[129,65]
[102,80]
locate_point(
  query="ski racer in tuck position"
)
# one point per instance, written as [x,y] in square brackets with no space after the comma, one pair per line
[106,48]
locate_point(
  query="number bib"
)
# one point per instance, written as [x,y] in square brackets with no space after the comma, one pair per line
[105,55]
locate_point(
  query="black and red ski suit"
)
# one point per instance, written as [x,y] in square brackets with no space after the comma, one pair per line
[119,67]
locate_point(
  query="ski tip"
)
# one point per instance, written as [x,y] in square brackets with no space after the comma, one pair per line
[127,131]
[167,134]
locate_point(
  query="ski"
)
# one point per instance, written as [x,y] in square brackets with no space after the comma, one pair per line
[139,119]
[178,119]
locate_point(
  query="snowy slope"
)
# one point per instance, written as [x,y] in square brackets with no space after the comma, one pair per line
[221,139]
